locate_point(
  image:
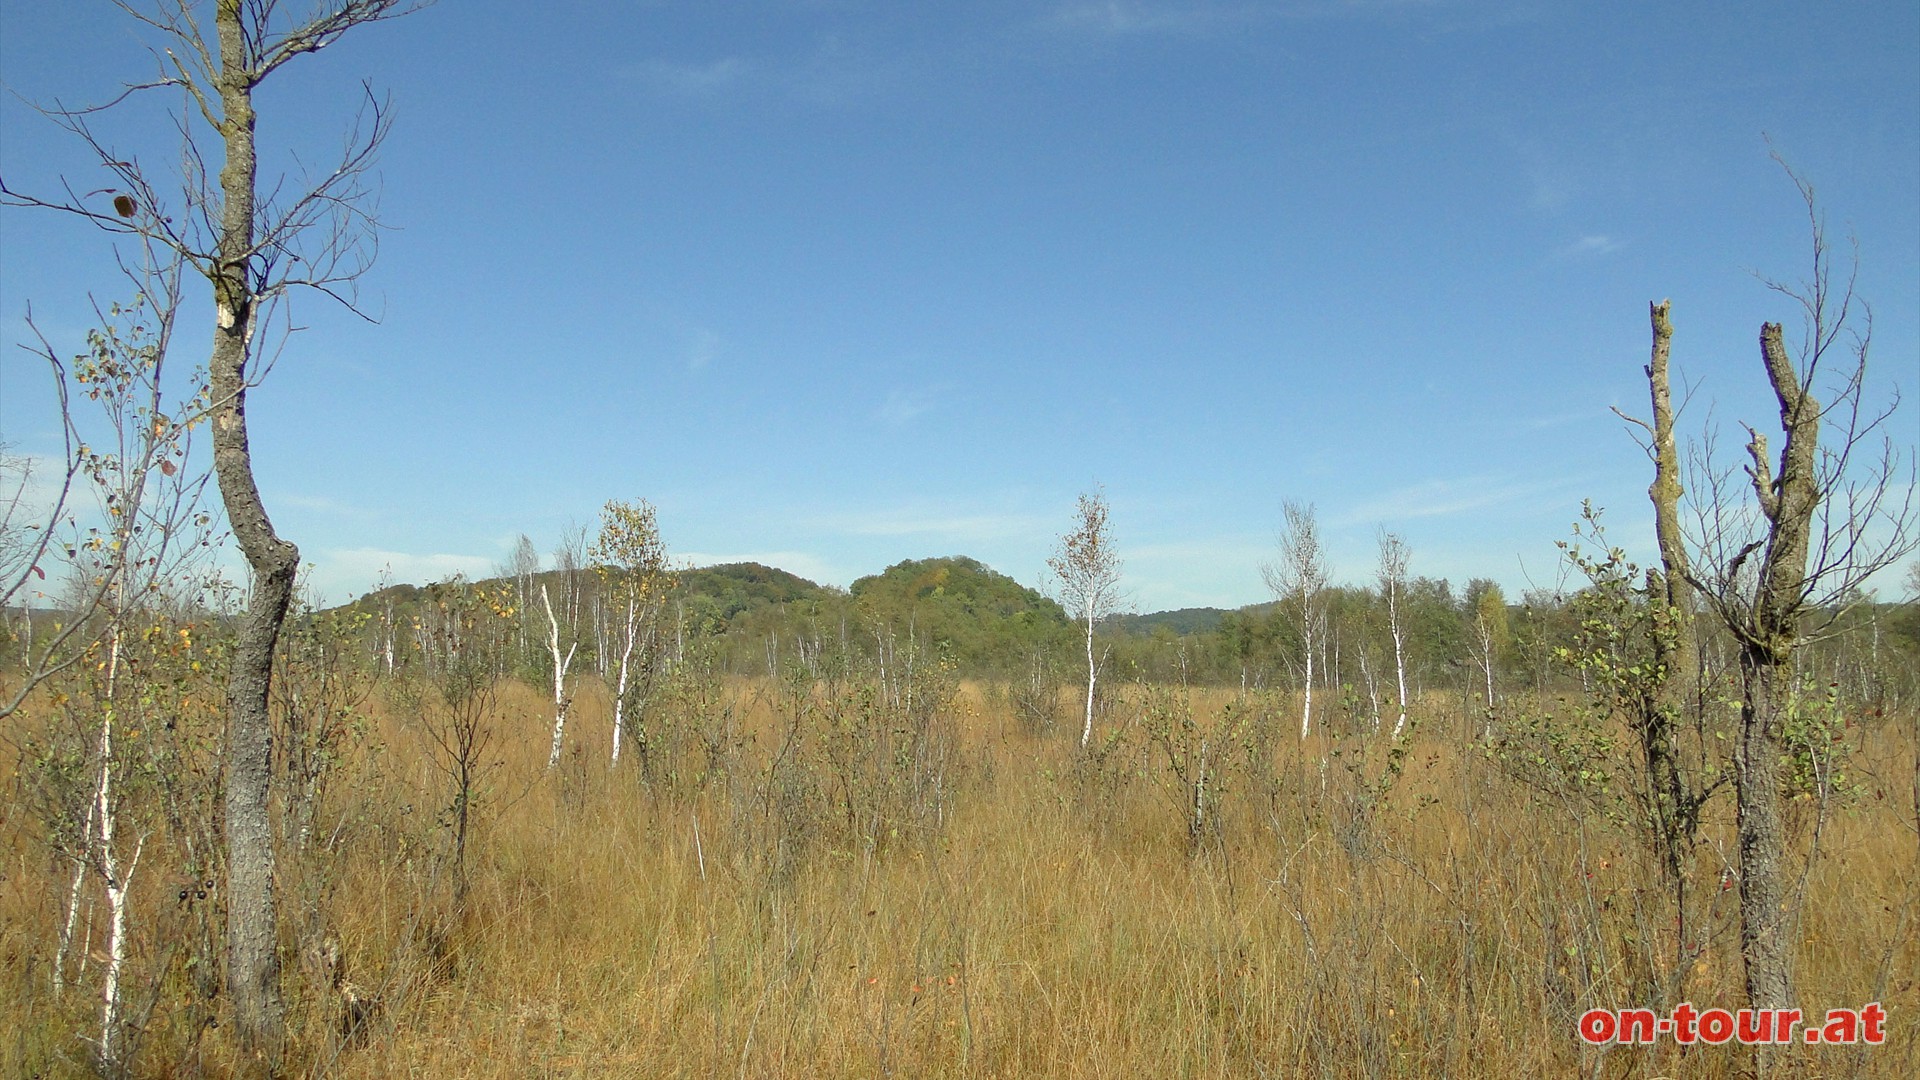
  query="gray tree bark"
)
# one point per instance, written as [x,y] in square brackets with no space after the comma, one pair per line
[253,964]
[1671,595]
[1767,643]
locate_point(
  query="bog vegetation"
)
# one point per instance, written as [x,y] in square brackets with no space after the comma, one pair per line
[833,848]
[604,815]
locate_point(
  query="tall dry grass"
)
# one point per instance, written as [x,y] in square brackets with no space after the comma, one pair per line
[1020,909]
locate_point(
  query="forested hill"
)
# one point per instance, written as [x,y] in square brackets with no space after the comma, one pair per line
[983,619]
[991,626]
[957,607]
[1183,621]
[726,591]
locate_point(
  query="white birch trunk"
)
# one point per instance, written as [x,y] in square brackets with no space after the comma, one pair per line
[1486,662]
[73,907]
[620,690]
[1486,665]
[117,884]
[1306,710]
[1399,670]
[1373,688]
[560,667]
[1086,732]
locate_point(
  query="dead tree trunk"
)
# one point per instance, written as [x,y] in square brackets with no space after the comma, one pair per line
[1671,596]
[1767,643]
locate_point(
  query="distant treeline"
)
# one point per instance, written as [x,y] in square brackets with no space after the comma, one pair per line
[752,619]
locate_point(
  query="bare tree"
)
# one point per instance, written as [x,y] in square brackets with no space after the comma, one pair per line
[570,562]
[254,245]
[1677,794]
[524,565]
[1299,581]
[1822,520]
[1087,570]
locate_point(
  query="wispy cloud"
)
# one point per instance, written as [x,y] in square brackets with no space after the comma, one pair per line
[704,346]
[353,571]
[902,406]
[1548,189]
[1136,17]
[318,504]
[1333,9]
[692,80]
[1222,571]
[1554,420]
[1441,498]
[1198,17]
[913,522]
[832,69]
[1241,550]
[1591,245]
[29,486]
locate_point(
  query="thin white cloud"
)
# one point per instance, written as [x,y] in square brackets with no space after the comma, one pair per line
[702,349]
[1202,551]
[354,571]
[692,80]
[1553,420]
[1337,9]
[1196,17]
[1119,18]
[29,485]
[831,73]
[902,406]
[909,522]
[318,504]
[1442,498]
[1590,245]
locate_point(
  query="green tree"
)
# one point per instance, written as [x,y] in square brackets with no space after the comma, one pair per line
[1487,607]
[631,560]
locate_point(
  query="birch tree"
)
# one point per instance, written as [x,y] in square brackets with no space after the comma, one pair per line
[1298,579]
[1394,559]
[561,663]
[114,557]
[1487,607]
[569,561]
[1087,571]
[147,530]
[632,562]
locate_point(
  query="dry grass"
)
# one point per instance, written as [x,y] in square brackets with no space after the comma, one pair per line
[1043,918]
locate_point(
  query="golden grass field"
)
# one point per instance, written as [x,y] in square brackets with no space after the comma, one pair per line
[1030,917]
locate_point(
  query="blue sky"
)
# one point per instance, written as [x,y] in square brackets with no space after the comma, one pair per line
[837,283]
